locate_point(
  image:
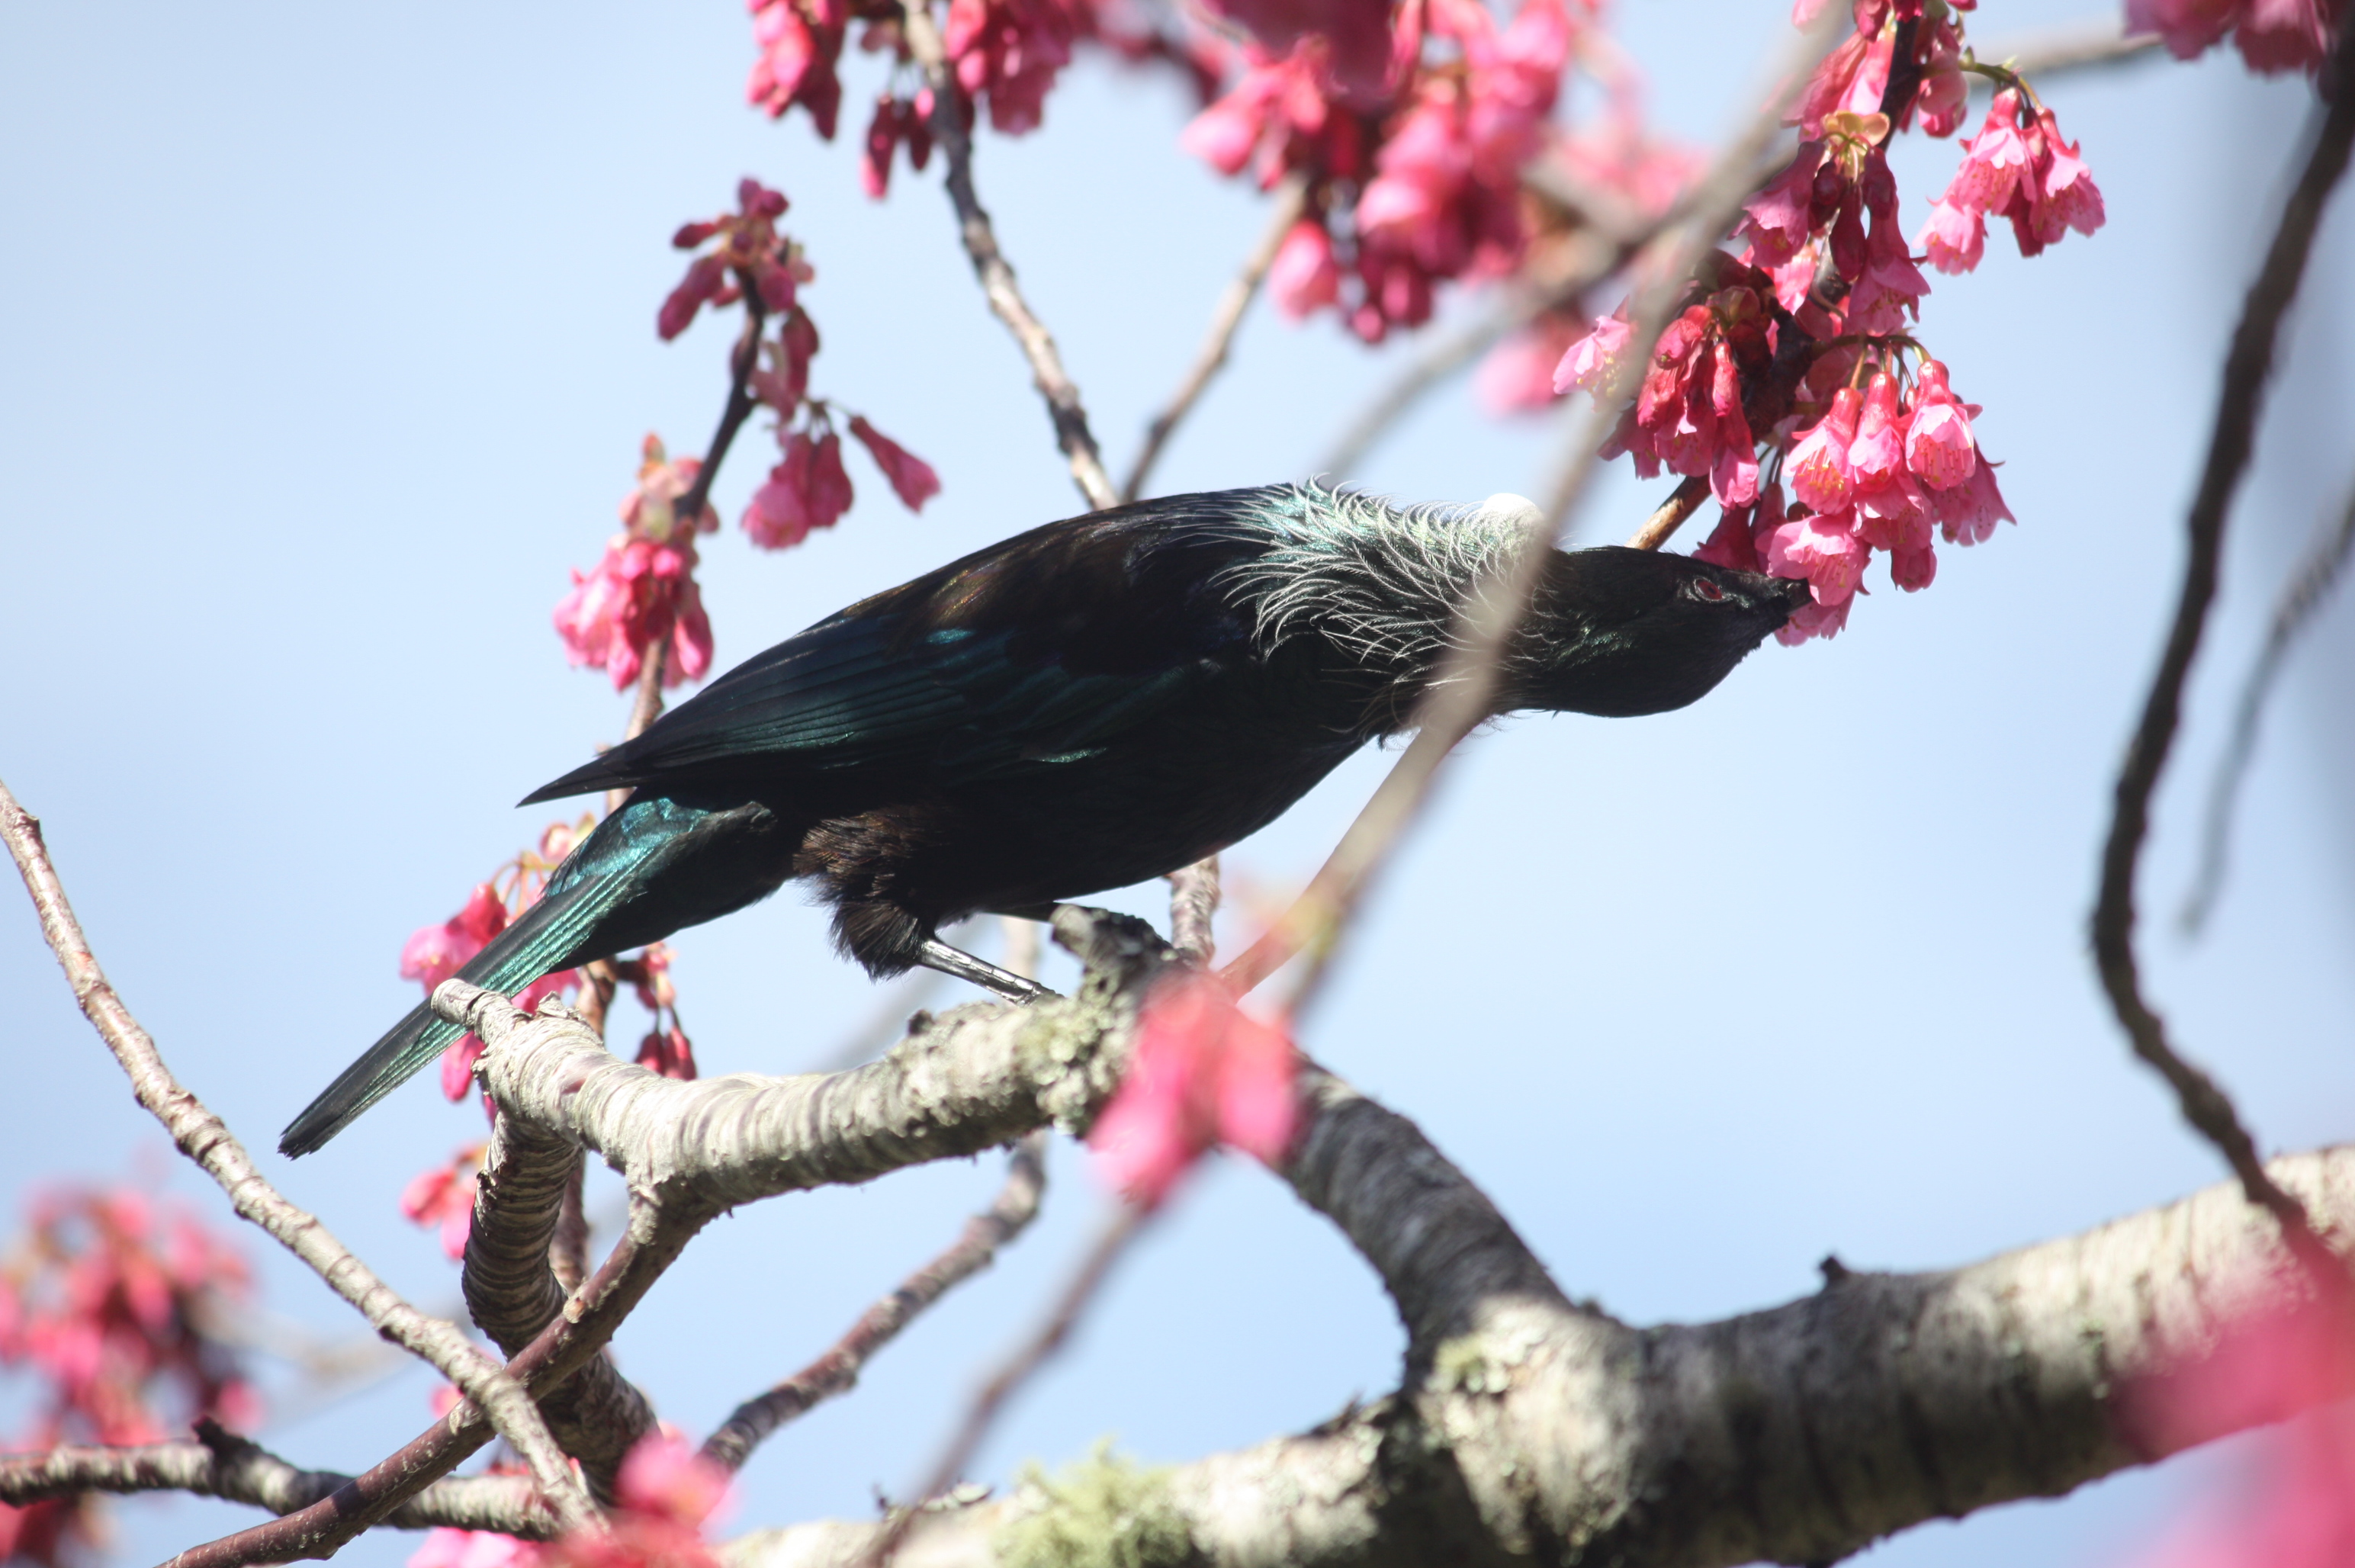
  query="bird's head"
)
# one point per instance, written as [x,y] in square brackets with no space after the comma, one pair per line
[1620,632]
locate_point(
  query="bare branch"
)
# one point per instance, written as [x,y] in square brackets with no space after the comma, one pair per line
[1078,1294]
[205,1139]
[836,1371]
[1458,697]
[1535,1430]
[2307,590]
[990,266]
[654,1239]
[2054,51]
[223,1464]
[976,1077]
[2247,367]
[1682,503]
[1289,197]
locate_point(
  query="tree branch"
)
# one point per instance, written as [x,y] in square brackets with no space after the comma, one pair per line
[222,1465]
[2247,366]
[836,1371]
[990,266]
[1535,1430]
[1291,197]
[2307,590]
[205,1139]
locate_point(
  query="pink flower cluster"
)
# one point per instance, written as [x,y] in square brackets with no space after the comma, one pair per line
[443,1196]
[1803,342]
[1007,53]
[644,594]
[669,1496]
[1413,173]
[1203,1073]
[751,254]
[1688,416]
[1815,211]
[104,1301]
[1881,470]
[2023,171]
[2272,35]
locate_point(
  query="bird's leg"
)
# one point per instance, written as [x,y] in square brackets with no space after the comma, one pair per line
[956,963]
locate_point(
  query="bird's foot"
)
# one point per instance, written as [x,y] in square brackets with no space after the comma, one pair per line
[956,963]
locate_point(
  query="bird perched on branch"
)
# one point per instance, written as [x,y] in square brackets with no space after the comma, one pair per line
[1090,704]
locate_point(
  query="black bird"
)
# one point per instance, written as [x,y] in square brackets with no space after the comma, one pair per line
[1084,705]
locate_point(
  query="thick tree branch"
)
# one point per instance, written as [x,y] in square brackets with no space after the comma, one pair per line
[836,1371]
[990,266]
[225,1466]
[1289,197]
[513,1293]
[2247,367]
[205,1139]
[1539,1432]
[978,1076]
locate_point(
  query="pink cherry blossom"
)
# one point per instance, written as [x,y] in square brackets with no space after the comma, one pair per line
[806,490]
[664,1477]
[446,1548]
[444,1197]
[1818,469]
[912,478]
[1202,1072]
[667,1052]
[1851,78]
[1939,447]
[1593,363]
[1824,549]
[1968,512]
[750,248]
[2272,35]
[1517,374]
[799,46]
[644,594]
[1303,279]
[1356,35]
[1878,452]
[434,953]
[1955,237]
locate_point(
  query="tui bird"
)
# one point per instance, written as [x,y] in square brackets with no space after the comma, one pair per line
[1090,704]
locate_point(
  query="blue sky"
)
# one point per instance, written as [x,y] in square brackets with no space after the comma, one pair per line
[330,335]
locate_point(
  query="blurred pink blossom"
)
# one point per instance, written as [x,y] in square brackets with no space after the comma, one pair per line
[911,477]
[443,1196]
[2272,35]
[1202,1072]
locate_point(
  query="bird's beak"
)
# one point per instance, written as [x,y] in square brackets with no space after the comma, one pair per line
[1794,592]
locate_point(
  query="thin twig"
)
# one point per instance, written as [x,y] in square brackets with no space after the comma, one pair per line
[205,1139]
[2247,367]
[990,266]
[1682,503]
[1291,197]
[2309,588]
[836,1371]
[2052,51]
[1459,696]
[1016,1370]
[561,1349]
[221,1463]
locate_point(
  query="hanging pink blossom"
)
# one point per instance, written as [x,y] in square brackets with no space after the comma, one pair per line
[1303,278]
[911,477]
[644,594]
[800,42]
[443,1197]
[807,489]
[1819,472]
[1202,1072]
[667,1052]
[2272,35]
[750,247]
[434,953]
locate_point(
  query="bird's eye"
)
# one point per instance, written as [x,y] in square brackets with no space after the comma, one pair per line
[1706,592]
